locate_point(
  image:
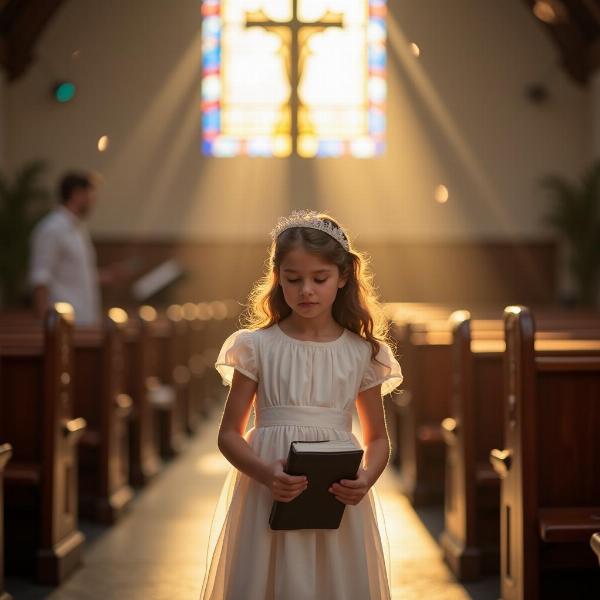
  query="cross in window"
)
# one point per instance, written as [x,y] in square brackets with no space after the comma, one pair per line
[300,32]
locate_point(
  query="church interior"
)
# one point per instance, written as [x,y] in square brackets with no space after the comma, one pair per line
[457,142]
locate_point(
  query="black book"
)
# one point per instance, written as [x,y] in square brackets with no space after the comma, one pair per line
[323,462]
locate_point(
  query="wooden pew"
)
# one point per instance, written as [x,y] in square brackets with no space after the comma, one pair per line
[595,544]
[393,405]
[199,363]
[550,488]
[180,372]
[209,325]
[396,406]
[221,318]
[424,342]
[470,540]
[99,394]
[200,406]
[36,405]
[193,412]
[471,500]
[416,438]
[426,364]
[141,358]
[5,454]
[424,347]
[168,396]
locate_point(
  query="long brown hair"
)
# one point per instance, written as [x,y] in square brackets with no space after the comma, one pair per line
[356,306]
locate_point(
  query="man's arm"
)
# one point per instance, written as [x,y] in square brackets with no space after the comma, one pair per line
[44,254]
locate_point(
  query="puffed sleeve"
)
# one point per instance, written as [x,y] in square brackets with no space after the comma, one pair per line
[238,353]
[385,371]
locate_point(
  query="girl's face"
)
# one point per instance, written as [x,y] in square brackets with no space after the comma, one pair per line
[309,283]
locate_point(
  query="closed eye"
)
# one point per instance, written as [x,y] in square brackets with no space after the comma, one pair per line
[316,280]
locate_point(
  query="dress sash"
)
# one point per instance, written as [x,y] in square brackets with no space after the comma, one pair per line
[307,416]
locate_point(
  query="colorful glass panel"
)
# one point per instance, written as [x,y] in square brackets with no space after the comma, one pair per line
[294,76]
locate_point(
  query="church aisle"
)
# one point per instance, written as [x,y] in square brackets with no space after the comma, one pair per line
[418,571]
[157,552]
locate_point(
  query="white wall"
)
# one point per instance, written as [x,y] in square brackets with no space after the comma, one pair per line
[457,116]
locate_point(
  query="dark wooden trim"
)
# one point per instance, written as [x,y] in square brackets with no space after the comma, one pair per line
[577,38]
[5,454]
[460,272]
[22,27]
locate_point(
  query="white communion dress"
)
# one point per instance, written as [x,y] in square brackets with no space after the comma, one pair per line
[306,391]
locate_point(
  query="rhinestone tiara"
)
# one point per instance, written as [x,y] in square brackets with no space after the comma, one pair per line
[310,218]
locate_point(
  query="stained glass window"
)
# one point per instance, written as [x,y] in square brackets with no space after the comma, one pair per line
[284,77]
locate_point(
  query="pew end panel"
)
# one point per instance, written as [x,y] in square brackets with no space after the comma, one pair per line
[471,515]
[199,368]
[5,455]
[422,451]
[194,368]
[595,544]
[394,405]
[181,375]
[100,395]
[141,377]
[173,374]
[36,404]
[457,540]
[162,391]
[548,468]
[62,549]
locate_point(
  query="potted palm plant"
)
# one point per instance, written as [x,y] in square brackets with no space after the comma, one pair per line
[574,214]
[23,202]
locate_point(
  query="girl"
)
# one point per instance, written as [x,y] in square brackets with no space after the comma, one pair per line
[314,346]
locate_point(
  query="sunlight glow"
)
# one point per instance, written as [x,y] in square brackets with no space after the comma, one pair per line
[147,313]
[103,143]
[415,50]
[175,312]
[441,194]
[218,310]
[212,463]
[550,11]
[204,311]
[458,316]
[189,311]
[65,310]
[118,315]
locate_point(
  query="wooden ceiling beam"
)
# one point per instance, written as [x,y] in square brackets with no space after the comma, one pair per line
[594,57]
[21,30]
[577,37]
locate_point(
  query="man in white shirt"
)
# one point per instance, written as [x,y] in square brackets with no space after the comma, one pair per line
[63,259]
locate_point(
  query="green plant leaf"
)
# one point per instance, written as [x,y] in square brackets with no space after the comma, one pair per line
[574,212]
[22,202]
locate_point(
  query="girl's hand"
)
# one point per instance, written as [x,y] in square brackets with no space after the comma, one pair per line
[284,487]
[351,491]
